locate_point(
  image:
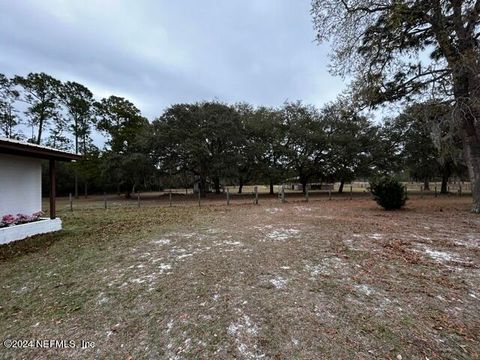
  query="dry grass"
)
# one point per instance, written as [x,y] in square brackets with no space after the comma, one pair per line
[324,279]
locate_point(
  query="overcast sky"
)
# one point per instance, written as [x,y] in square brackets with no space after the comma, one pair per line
[158,53]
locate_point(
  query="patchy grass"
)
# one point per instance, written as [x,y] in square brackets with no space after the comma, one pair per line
[324,279]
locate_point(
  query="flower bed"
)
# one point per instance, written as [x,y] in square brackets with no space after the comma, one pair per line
[10,220]
[21,227]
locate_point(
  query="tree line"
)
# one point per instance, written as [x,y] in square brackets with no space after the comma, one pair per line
[213,144]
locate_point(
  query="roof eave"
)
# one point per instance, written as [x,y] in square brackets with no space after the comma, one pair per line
[27,150]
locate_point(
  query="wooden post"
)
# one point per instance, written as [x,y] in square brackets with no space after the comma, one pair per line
[52,189]
[170,195]
[199,197]
[459,189]
[228,196]
[306,194]
[351,191]
[138,199]
[105,200]
[435,190]
[329,194]
[421,191]
[283,193]
[71,201]
[256,195]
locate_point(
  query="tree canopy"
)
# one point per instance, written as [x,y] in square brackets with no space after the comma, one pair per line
[405,49]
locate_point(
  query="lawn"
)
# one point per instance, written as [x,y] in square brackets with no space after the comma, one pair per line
[296,280]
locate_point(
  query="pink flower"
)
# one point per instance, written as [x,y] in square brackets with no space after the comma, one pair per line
[8,219]
[22,219]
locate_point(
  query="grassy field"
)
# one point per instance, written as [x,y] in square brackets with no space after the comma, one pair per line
[323,279]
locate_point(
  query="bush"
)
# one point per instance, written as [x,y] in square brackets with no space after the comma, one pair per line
[388,192]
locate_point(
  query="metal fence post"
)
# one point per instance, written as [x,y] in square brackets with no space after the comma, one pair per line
[256,195]
[105,200]
[228,196]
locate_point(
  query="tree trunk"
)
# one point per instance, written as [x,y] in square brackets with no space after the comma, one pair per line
[129,191]
[426,184]
[340,188]
[472,158]
[445,177]
[216,182]
[471,140]
[304,186]
[443,189]
[202,187]
[466,84]
[271,187]
[40,128]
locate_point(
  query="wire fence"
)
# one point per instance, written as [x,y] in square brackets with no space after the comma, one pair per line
[254,194]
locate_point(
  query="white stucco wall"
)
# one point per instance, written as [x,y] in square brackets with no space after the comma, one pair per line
[20,185]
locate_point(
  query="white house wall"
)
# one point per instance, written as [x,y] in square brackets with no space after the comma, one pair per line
[20,185]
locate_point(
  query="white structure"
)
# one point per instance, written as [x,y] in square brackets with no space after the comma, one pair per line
[21,186]
[20,232]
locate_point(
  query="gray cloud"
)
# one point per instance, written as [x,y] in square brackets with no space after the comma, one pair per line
[158,53]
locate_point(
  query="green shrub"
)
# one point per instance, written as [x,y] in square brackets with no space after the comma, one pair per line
[388,192]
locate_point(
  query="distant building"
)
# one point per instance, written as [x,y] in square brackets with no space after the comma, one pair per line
[313,186]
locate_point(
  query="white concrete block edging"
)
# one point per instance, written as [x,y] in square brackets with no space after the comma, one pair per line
[22,231]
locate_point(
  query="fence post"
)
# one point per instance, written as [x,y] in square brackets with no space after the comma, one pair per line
[448,189]
[138,199]
[256,195]
[71,201]
[105,200]
[199,195]
[435,190]
[421,191]
[283,193]
[459,189]
[329,194]
[306,194]
[351,192]
[228,196]
[170,195]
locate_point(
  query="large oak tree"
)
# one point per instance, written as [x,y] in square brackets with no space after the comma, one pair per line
[401,49]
